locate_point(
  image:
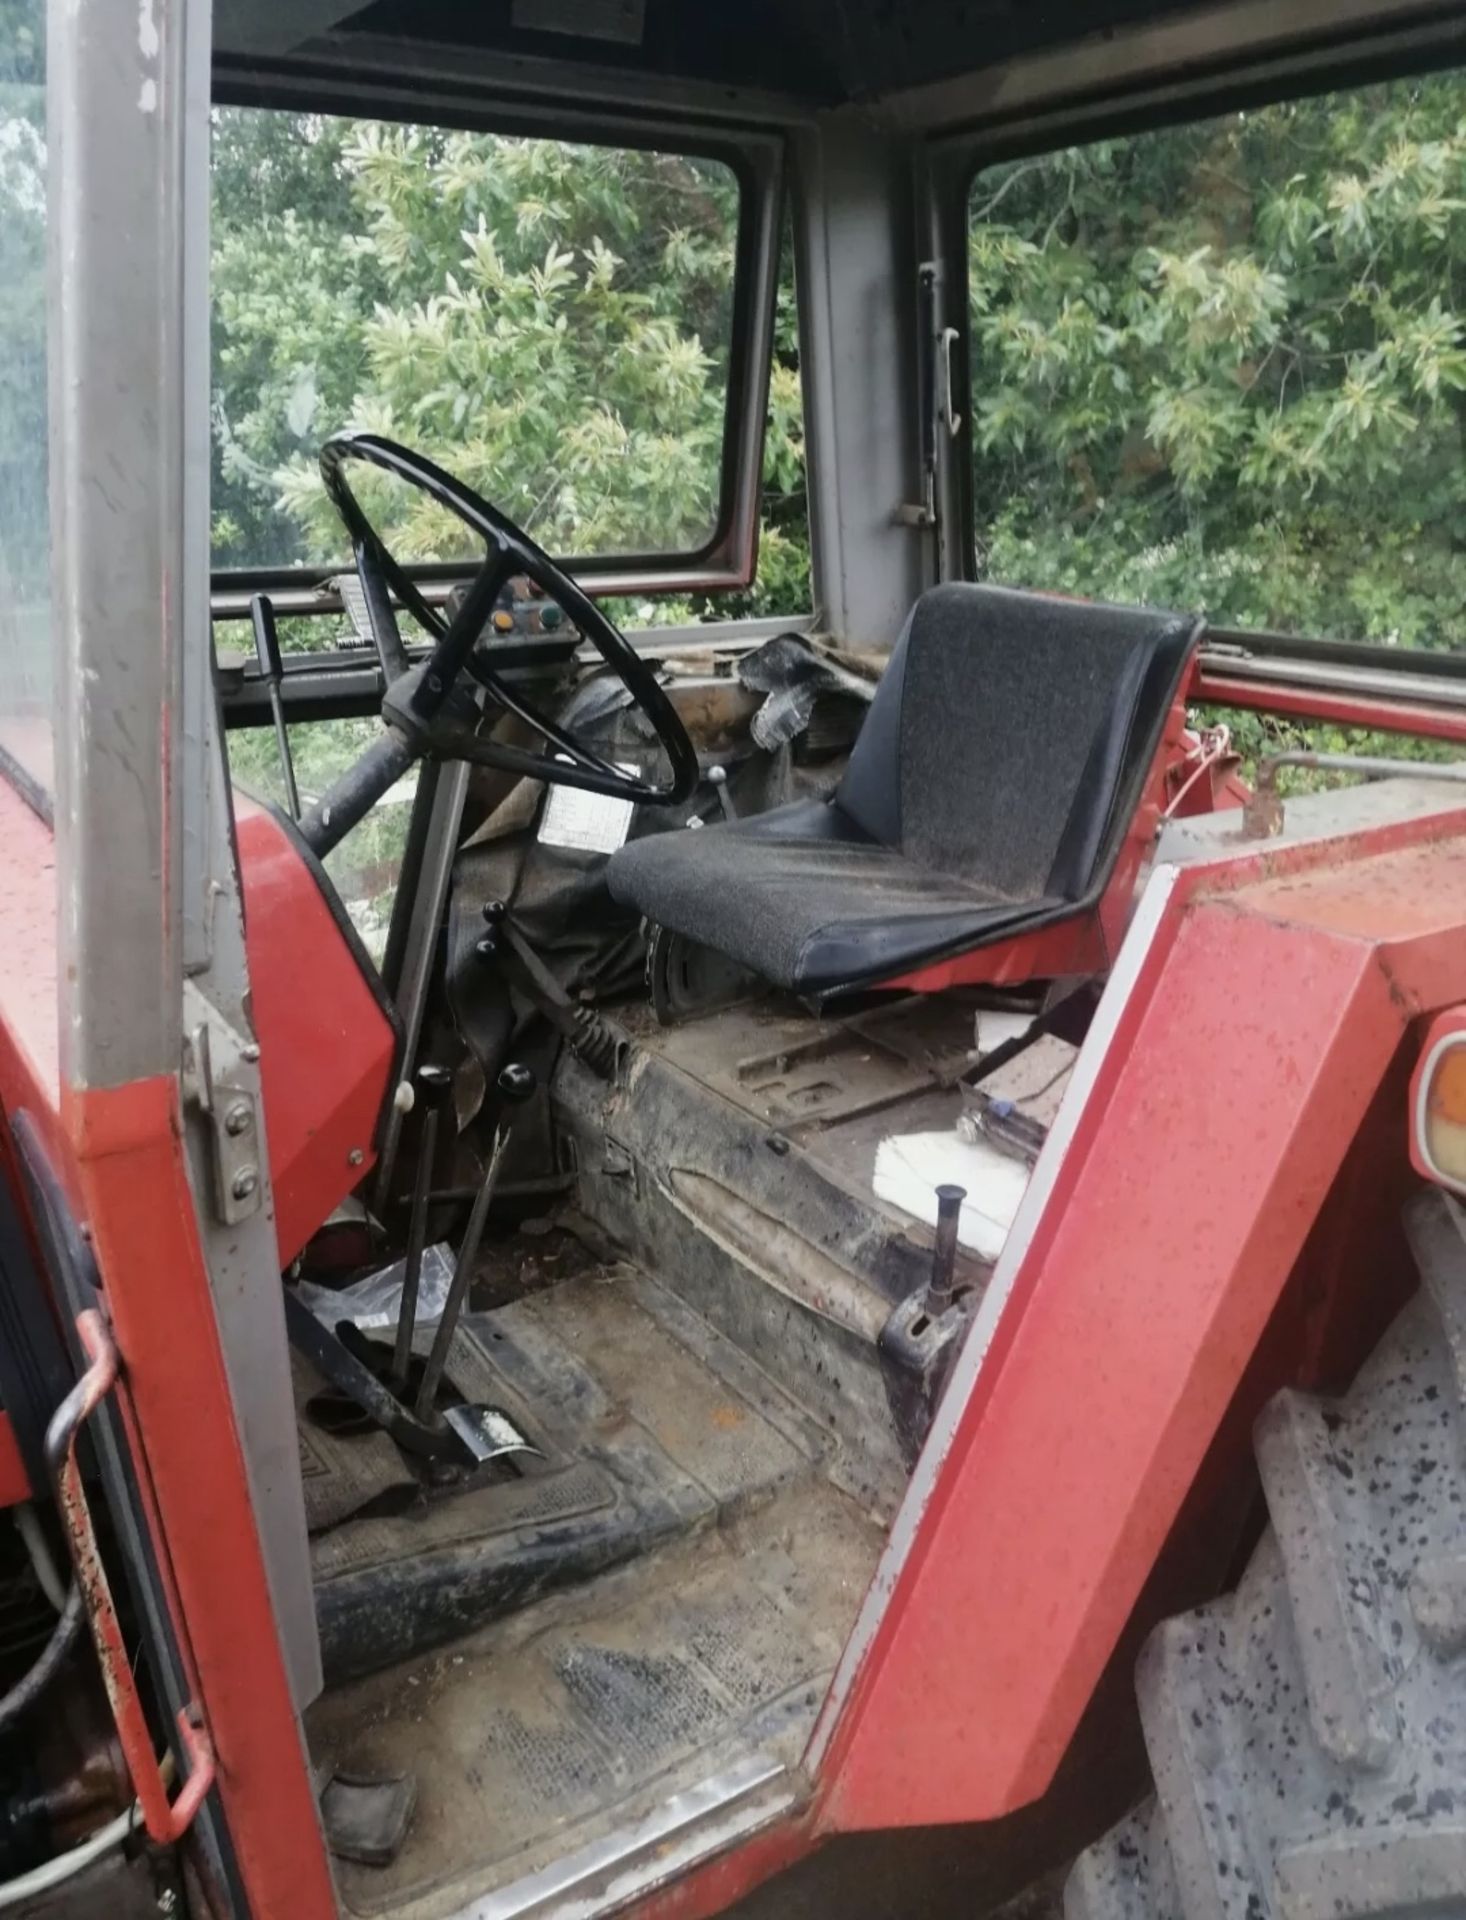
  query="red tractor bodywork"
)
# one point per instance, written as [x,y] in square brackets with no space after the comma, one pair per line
[327,1044]
[1259,1000]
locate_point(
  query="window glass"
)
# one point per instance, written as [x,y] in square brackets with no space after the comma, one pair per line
[1223,366]
[366,866]
[550,321]
[25,536]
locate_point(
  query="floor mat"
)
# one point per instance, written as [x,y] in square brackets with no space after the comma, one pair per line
[542,1733]
[649,1424]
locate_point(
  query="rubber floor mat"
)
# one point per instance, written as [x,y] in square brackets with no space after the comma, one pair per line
[649,1424]
[554,1728]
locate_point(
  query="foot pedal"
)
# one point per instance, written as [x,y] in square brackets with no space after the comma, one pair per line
[366,1819]
[487,1433]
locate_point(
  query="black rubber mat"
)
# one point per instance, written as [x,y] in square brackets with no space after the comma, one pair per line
[649,1425]
[562,1725]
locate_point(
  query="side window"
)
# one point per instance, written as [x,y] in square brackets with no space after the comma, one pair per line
[1224,365]
[25,521]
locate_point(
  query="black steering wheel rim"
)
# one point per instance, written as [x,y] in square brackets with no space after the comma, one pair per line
[510,551]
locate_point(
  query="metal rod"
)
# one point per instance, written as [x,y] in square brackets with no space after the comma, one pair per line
[430,899]
[462,1277]
[166,1824]
[267,651]
[1410,680]
[1262,817]
[409,873]
[944,1251]
[433,1084]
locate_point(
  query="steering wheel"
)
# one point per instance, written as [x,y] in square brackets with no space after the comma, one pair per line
[428,709]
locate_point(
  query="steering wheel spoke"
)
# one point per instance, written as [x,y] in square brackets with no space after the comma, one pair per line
[386,634]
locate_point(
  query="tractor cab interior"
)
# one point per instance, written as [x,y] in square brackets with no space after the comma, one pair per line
[640,1164]
[677,815]
[610,1372]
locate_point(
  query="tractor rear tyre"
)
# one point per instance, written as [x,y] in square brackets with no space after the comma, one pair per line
[1307,1733]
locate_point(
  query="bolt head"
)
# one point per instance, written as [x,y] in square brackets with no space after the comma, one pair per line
[516,1083]
[355,1157]
[245,1182]
[236,1120]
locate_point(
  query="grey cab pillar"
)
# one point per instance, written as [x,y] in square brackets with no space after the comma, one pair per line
[856,260]
[148,890]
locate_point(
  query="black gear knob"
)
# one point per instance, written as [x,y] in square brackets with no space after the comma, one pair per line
[516,1083]
[432,1085]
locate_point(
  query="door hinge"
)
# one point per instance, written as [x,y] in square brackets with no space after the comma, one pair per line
[220,1077]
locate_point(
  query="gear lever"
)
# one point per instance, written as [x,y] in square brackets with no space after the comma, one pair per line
[515,1085]
[434,1085]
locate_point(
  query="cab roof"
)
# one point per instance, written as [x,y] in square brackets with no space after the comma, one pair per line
[818,53]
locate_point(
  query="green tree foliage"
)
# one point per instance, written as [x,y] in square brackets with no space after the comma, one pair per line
[1219,366]
[551,321]
[1224,366]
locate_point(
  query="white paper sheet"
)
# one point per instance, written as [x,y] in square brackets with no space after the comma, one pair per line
[911,1166]
[585,822]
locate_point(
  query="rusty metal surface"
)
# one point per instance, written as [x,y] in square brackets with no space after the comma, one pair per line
[165,1824]
[126,1157]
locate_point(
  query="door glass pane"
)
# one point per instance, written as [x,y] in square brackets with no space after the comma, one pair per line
[25,542]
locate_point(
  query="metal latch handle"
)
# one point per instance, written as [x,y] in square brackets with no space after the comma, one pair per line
[166,1822]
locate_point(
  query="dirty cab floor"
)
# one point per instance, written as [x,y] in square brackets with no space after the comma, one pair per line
[648,1424]
[707,1573]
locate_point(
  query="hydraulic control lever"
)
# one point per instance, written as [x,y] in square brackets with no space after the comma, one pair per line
[267,652]
[515,1085]
[345,1357]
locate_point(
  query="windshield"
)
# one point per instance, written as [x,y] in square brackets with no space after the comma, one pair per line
[551,321]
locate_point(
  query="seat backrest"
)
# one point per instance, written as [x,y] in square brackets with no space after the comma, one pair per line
[1005,732]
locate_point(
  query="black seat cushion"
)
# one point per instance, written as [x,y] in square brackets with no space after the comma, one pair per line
[803,897]
[988,793]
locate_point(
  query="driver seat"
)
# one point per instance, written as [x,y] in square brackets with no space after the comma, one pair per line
[988,795]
